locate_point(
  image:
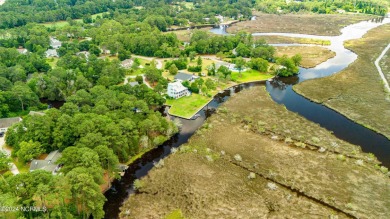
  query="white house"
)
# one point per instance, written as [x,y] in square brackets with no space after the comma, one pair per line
[177,90]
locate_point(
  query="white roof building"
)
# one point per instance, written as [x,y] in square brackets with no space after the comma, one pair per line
[51,53]
[177,90]
[54,43]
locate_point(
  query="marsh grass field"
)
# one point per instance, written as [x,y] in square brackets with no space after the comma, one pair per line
[315,24]
[284,39]
[357,92]
[311,55]
[247,162]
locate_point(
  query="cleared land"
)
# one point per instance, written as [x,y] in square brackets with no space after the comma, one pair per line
[311,55]
[324,25]
[245,162]
[357,91]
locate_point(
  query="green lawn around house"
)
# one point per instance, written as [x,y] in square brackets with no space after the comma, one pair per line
[52,62]
[250,75]
[187,106]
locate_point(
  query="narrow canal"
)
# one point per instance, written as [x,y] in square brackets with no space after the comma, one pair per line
[282,93]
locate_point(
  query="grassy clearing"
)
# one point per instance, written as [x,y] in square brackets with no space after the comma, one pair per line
[52,62]
[59,24]
[23,168]
[357,91]
[283,39]
[311,55]
[324,25]
[187,106]
[185,35]
[250,75]
[245,161]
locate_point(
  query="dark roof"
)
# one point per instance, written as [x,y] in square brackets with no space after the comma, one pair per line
[53,156]
[48,164]
[43,165]
[183,76]
[7,122]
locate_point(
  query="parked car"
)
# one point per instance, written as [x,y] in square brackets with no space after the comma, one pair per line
[1,134]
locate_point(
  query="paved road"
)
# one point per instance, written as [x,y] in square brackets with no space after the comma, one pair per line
[380,70]
[14,169]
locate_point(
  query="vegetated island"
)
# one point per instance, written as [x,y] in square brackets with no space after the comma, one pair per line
[357,92]
[247,162]
[311,55]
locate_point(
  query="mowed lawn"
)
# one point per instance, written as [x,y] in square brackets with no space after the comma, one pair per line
[250,75]
[187,106]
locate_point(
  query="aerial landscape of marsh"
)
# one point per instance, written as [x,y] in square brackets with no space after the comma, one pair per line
[195,109]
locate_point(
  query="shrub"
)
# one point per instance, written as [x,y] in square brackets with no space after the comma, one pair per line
[251,175]
[272,186]
[238,157]
[138,184]
[197,68]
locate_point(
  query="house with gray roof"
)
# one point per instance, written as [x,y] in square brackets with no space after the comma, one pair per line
[48,164]
[7,122]
[185,77]
[133,83]
[54,43]
[51,53]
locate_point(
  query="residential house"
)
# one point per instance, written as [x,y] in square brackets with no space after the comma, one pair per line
[51,53]
[48,164]
[127,63]
[54,43]
[133,83]
[22,50]
[185,77]
[83,53]
[177,90]
[7,122]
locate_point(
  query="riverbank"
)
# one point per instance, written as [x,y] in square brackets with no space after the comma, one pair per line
[314,24]
[247,162]
[187,107]
[357,91]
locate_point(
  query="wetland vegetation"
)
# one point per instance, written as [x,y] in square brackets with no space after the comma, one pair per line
[357,91]
[246,161]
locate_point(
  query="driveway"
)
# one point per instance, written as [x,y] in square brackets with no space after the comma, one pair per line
[13,168]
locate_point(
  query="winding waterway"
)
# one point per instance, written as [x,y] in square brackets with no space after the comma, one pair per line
[282,93]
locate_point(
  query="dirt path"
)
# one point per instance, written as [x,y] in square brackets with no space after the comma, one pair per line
[386,83]
[13,168]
